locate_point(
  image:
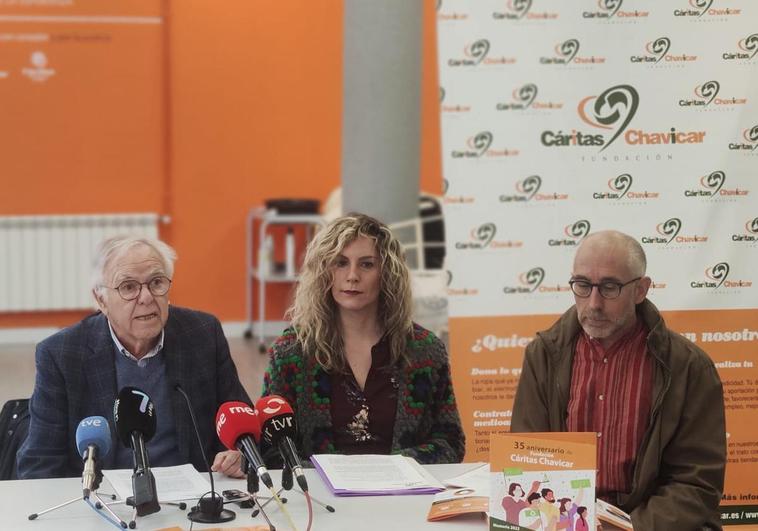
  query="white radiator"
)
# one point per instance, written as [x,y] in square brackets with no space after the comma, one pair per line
[46,261]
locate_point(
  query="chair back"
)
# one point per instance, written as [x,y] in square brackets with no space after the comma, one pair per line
[14,426]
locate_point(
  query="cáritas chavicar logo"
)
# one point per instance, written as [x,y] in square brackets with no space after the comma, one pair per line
[747,47]
[480,145]
[483,237]
[712,185]
[611,111]
[717,276]
[529,280]
[610,9]
[620,188]
[524,98]
[532,281]
[517,10]
[670,231]
[708,93]
[478,53]
[698,8]
[573,234]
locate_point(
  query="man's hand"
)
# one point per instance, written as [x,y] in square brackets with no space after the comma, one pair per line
[228,463]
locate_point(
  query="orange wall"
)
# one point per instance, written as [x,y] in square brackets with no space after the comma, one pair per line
[65,146]
[431,156]
[254,104]
[257,97]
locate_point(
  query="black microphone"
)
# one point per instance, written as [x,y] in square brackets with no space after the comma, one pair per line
[134,415]
[209,510]
[278,428]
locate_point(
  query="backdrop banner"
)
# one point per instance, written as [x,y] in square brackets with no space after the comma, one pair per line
[564,118]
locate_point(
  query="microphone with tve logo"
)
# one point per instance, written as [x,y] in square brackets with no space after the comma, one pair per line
[278,428]
[238,428]
[134,414]
[93,441]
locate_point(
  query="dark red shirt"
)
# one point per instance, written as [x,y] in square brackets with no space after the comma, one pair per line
[364,421]
[611,394]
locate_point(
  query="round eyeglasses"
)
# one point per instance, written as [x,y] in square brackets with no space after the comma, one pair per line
[608,289]
[131,289]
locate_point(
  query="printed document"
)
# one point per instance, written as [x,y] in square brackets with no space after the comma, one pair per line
[374,474]
[173,483]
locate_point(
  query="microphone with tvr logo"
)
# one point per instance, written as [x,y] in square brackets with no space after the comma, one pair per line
[278,429]
[134,414]
[238,427]
[93,442]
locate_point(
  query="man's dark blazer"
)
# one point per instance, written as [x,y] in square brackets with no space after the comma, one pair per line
[76,378]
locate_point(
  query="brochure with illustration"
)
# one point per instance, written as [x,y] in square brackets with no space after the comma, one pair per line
[542,481]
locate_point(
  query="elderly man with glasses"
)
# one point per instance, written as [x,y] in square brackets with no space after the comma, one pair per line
[138,340]
[611,366]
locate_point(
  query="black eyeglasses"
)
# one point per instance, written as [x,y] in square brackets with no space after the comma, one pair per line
[130,289]
[608,289]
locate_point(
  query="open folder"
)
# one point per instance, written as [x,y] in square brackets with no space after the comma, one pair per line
[374,475]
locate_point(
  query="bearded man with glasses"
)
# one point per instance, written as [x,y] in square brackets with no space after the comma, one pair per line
[611,366]
[136,339]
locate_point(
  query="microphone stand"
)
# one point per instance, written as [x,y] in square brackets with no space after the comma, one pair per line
[99,504]
[145,495]
[135,508]
[287,484]
[253,486]
[208,510]
[144,500]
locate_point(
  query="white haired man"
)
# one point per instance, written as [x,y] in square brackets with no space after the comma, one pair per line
[611,366]
[136,339]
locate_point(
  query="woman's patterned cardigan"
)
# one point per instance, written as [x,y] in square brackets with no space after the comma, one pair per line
[427,425]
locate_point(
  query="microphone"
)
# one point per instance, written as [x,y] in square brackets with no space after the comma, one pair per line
[237,426]
[278,423]
[134,414]
[93,442]
[209,510]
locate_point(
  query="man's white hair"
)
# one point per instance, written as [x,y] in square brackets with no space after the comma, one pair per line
[116,245]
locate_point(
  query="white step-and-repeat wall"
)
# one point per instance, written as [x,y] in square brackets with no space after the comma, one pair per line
[563,118]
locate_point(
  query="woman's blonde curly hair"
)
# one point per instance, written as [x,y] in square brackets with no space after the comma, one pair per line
[314,311]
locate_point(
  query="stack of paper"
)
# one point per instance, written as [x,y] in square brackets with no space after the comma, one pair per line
[173,483]
[478,477]
[374,475]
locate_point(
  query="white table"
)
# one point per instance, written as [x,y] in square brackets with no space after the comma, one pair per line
[18,499]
